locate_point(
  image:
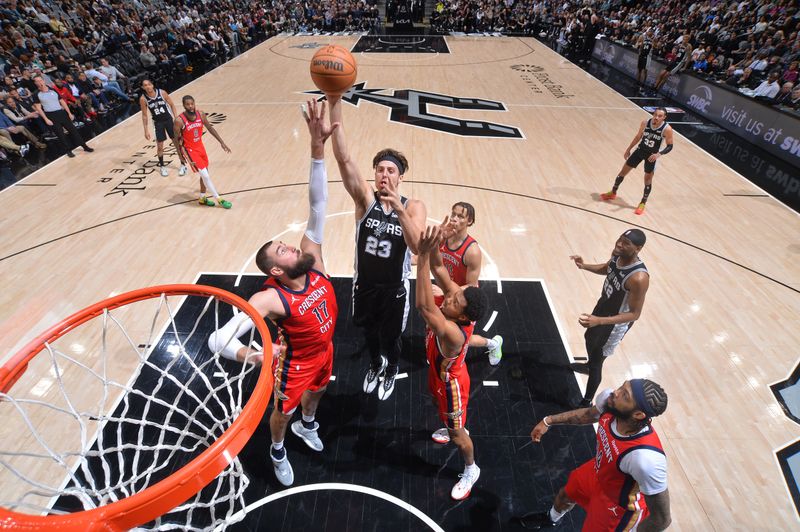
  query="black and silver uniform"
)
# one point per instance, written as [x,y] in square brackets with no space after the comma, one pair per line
[614,299]
[646,48]
[652,137]
[159,108]
[382,256]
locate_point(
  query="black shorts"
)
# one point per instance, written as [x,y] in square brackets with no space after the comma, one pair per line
[601,340]
[164,129]
[637,157]
[643,62]
[381,308]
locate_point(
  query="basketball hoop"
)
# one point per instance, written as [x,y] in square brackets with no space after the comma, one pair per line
[178,412]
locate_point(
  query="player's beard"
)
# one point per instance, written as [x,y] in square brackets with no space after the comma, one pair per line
[303,266]
[619,414]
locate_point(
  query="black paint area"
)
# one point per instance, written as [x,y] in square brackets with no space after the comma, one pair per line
[402,44]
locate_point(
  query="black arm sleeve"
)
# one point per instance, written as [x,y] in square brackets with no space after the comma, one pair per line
[666,150]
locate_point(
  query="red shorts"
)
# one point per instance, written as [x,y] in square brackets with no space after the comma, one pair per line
[294,375]
[602,514]
[198,158]
[450,398]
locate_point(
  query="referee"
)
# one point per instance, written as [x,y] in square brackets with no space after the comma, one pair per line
[56,114]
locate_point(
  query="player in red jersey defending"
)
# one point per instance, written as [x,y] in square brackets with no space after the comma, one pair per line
[446,342]
[299,298]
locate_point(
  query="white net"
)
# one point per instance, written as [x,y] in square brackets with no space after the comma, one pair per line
[120,403]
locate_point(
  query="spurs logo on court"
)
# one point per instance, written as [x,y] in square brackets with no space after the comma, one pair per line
[410,107]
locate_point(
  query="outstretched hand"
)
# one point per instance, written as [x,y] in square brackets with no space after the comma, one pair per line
[392,196]
[447,228]
[429,240]
[314,114]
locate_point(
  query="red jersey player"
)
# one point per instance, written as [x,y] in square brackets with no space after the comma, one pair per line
[449,328]
[299,298]
[625,486]
[462,257]
[188,131]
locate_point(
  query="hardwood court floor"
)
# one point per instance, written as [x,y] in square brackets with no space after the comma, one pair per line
[720,321]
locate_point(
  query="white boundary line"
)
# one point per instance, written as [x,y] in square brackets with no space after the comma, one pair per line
[335,486]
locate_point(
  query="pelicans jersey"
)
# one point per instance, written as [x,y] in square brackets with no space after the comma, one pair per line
[453,260]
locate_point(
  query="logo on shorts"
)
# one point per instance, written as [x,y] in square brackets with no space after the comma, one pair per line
[410,107]
[455,415]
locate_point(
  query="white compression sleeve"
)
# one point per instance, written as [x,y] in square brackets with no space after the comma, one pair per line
[317,200]
[225,341]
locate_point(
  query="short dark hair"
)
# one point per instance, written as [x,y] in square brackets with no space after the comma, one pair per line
[394,153]
[655,396]
[187,98]
[467,207]
[263,261]
[662,109]
[477,303]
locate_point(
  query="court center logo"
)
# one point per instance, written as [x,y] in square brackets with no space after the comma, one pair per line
[308,45]
[410,107]
[700,99]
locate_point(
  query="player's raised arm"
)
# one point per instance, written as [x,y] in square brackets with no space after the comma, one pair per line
[353,182]
[319,132]
[446,331]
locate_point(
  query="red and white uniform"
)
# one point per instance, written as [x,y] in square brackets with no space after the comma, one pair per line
[611,487]
[192,134]
[307,330]
[453,260]
[448,379]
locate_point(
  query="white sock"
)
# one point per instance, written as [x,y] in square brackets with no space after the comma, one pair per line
[277,445]
[207,180]
[555,515]
[308,419]
[471,468]
[491,344]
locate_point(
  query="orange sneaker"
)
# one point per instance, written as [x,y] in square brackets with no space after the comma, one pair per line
[605,196]
[640,209]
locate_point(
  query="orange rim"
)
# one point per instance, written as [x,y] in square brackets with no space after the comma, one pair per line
[170,492]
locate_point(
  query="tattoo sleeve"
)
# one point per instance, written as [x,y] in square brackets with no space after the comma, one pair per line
[582,416]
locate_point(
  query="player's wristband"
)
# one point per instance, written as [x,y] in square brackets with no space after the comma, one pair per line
[546,424]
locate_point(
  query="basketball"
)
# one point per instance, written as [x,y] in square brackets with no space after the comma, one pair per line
[333,69]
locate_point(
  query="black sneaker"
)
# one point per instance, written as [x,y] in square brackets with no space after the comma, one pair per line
[371,378]
[535,521]
[387,386]
[87,148]
[70,154]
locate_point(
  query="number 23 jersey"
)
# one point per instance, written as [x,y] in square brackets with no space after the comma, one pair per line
[382,256]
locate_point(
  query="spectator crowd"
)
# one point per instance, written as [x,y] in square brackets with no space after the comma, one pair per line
[94,53]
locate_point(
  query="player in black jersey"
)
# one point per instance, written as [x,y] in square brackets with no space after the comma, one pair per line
[680,62]
[645,46]
[164,112]
[620,304]
[651,133]
[387,227]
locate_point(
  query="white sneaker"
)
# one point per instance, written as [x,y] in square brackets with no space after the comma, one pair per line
[164,171]
[463,487]
[309,436]
[182,171]
[496,354]
[283,469]
[23,150]
[371,378]
[387,383]
[442,436]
